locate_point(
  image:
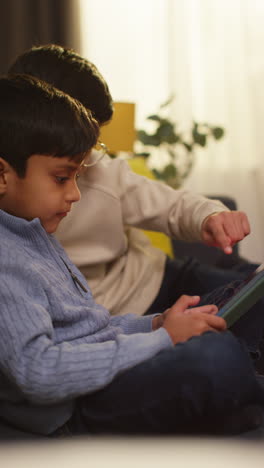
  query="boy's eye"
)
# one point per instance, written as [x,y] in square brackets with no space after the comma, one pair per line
[61,180]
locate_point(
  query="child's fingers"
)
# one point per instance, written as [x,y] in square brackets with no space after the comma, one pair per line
[184,302]
[216,322]
[206,309]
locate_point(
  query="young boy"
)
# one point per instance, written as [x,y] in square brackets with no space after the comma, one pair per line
[65,363]
[123,270]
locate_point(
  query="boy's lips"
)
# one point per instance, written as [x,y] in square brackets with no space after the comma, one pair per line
[63,214]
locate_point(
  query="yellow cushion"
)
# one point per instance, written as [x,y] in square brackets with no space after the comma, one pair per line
[157,239]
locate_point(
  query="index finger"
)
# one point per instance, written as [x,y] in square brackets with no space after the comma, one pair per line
[205,309]
[218,237]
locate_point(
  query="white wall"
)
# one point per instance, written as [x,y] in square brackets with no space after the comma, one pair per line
[209,54]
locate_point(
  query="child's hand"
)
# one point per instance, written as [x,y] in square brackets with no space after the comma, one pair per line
[182,323]
[225,229]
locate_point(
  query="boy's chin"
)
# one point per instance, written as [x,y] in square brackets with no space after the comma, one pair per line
[50,228]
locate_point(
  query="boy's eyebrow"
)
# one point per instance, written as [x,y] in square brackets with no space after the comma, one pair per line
[68,166]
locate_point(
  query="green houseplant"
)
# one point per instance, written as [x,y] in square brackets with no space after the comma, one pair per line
[179,146]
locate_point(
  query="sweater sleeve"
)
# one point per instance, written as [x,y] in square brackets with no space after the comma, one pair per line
[132,323]
[153,205]
[45,371]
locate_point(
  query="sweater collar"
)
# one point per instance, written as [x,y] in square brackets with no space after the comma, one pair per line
[19,227]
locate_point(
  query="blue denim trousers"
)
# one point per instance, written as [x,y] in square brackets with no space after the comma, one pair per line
[194,387]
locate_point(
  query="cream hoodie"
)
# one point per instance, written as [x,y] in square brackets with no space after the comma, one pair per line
[101,237]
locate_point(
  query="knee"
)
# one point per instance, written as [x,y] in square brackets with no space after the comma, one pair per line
[223,362]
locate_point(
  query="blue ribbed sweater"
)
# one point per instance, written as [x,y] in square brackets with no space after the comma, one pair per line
[55,342]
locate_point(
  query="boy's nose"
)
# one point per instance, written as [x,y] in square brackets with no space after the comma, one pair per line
[73,195]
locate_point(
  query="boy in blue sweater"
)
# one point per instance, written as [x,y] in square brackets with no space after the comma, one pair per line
[66,365]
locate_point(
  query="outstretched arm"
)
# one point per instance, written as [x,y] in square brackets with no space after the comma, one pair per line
[152,205]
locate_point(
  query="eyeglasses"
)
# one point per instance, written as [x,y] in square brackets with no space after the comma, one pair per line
[96,156]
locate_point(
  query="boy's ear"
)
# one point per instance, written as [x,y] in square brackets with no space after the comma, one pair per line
[4,169]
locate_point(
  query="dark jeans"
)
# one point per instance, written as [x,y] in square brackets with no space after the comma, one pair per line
[202,386]
[206,385]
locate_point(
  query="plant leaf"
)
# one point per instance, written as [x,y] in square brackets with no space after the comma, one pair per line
[155,117]
[142,155]
[157,174]
[166,103]
[147,139]
[218,132]
[169,171]
[198,138]
[188,146]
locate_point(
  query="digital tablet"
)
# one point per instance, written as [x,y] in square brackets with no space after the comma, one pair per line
[242,297]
